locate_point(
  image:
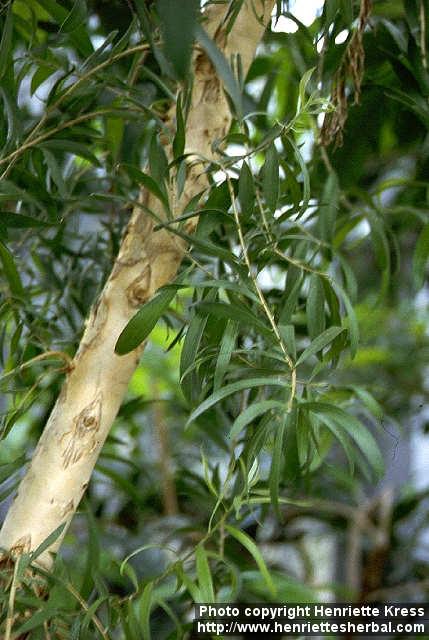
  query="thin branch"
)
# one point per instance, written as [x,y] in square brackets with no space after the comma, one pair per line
[42,356]
[261,296]
[11,603]
[66,94]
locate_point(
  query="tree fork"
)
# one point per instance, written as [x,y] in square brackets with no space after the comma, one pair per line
[96,383]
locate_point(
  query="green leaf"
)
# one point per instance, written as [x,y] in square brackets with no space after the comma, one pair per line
[158,161]
[379,239]
[315,308]
[205,581]
[79,37]
[179,138]
[6,42]
[420,258]
[305,175]
[210,248]
[226,348]
[7,470]
[353,326]
[253,411]
[14,119]
[287,332]
[20,221]
[145,608]
[189,383]
[178,27]
[356,430]
[319,343]
[270,178]
[276,460]
[222,67]
[247,542]
[140,326]
[75,18]
[229,389]
[48,542]
[291,464]
[246,190]
[234,312]
[36,620]
[11,272]
[291,294]
[70,146]
[368,400]
[328,207]
[42,73]
[148,183]
[302,91]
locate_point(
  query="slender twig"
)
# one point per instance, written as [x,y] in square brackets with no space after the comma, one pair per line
[42,356]
[51,132]
[11,603]
[85,606]
[261,296]
[301,265]
[66,94]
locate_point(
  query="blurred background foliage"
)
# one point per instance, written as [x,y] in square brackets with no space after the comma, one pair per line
[287,506]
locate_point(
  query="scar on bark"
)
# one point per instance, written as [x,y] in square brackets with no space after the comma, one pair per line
[138,291]
[81,439]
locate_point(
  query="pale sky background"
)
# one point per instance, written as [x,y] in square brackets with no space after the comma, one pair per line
[304,10]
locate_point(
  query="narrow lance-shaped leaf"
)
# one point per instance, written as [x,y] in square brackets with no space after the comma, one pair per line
[247,542]
[205,581]
[179,138]
[319,343]
[178,27]
[148,183]
[140,326]
[254,411]
[368,400]
[233,312]
[358,432]
[225,352]
[11,272]
[315,308]
[276,462]
[145,608]
[246,190]
[353,326]
[75,18]
[233,388]
[191,344]
[292,465]
[302,91]
[6,42]
[328,207]
[270,178]
[70,146]
[20,221]
[222,67]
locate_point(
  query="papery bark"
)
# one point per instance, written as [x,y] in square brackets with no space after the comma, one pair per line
[95,386]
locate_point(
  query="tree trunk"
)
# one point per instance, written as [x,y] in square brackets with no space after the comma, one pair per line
[93,390]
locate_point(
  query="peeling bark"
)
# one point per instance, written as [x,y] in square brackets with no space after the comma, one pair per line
[97,381]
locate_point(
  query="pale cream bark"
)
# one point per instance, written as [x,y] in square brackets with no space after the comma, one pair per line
[97,381]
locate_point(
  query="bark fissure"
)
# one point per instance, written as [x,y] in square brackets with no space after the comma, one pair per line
[97,379]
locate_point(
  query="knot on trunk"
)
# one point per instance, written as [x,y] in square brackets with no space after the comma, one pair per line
[81,439]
